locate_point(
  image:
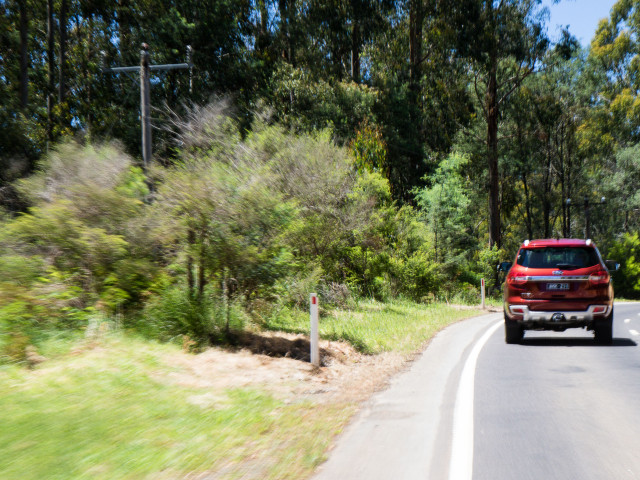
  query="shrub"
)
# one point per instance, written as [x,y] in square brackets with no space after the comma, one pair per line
[294,290]
[336,295]
[175,312]
[626,251]
[417,276]
[31,315]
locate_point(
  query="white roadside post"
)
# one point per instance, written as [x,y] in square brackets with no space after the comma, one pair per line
[313,310]
[482,292]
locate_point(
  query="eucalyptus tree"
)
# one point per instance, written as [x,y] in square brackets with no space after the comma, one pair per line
[611,132]
[615,62]
[541,155]
[423,96]
[503,42]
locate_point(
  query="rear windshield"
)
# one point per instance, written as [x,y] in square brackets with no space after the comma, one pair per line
[565,258]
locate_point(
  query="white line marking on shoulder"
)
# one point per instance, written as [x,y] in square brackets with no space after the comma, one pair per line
[634,332]
[461,462]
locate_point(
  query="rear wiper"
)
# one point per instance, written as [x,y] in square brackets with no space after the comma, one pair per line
[567,266]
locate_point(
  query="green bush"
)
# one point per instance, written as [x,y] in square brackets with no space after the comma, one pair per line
[128,284]
[294,290]
[417,276]
[175,312]
[465,294]
[626,251]
[32,315]
[488,260]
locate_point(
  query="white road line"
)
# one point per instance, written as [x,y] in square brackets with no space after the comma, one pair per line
[461,463]
[627,320]
[634,332]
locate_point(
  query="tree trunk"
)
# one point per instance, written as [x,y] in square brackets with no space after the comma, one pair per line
[191,240]
[124,28]
[414,156]
[87,78]
[416,16]
[262,40]
[527,196]
[568,175]
[527,203]
[225,299]
[355,52]
[51,67]
[63,51]
[492,153]
[285,30]
[546,194]
[24,54]
[202,278]
[563,185]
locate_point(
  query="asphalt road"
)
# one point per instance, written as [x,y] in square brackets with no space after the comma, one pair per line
[556,407]
[560,407]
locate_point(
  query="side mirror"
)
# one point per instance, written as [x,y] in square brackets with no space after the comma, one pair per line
[612,265]
[504,266]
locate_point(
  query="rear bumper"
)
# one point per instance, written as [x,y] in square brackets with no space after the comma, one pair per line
[522,313]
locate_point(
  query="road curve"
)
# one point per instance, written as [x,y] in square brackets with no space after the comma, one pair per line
[556,407]
[404,432]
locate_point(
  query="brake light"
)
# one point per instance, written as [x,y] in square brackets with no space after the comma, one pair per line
[517,279]
[601,277]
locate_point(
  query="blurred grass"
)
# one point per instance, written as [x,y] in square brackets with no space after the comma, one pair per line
[111,411]
[111,414]
[374,327]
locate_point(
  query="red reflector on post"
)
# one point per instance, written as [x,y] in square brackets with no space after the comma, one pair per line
[314,300]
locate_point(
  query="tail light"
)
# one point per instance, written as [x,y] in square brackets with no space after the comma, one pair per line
[601,277]
[517,279]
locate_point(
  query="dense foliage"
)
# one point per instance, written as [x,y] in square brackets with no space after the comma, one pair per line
[385,148]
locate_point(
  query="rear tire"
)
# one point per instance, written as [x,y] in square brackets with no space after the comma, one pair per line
[603,330]
[513,331]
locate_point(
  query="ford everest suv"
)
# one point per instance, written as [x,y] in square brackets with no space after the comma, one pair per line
[555,285]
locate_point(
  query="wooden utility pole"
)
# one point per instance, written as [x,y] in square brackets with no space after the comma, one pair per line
[145,69]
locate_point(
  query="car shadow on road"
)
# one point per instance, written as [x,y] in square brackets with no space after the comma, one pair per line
[575,342]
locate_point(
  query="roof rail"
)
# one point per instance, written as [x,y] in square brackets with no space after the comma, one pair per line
[526,243]
[588,241]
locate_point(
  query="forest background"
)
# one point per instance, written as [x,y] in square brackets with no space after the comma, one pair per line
[355,148]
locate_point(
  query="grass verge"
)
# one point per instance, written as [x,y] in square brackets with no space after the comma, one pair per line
[375,327]
[115,410]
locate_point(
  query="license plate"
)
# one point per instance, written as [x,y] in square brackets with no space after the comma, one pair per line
[557,286]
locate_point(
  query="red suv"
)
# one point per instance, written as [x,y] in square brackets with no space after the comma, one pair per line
[555,285]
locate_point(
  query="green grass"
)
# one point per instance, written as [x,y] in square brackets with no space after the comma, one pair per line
[375,327]
[112,410]
[111,413]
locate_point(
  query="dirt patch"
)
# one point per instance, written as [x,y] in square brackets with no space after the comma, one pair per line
[277,344]
[279,363]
